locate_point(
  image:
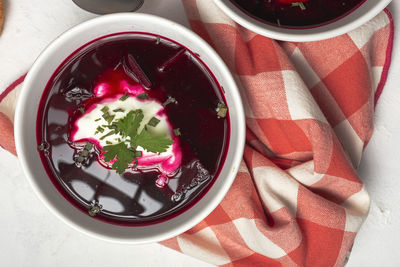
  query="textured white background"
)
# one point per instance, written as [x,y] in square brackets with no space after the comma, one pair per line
[31,236]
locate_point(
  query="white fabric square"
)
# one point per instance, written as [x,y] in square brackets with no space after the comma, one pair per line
[210,13]
[350,141]
[276,188]
[203,245]
[256,241]
[304,69]
[300,101]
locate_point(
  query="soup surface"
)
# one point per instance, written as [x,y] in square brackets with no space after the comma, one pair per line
[297,14]
[133,128]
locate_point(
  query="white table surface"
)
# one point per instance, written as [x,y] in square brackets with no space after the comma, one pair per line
[31,236]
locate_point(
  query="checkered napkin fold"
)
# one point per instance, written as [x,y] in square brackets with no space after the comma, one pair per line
[297,199]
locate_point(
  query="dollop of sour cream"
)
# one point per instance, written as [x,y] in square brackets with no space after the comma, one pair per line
[86,128]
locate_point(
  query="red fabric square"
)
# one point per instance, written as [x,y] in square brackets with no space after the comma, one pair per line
[350,84]
[284,136]
[242,200]
[326,56]
[217,216]
[328,104]
[316,209]
[266,95]
[255,260]
[261,52]
[340,164]
[226,41]
[315,250]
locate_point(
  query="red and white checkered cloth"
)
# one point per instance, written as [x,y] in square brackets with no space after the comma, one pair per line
[297,200]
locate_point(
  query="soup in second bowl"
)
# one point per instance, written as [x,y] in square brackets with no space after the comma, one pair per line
[297,13]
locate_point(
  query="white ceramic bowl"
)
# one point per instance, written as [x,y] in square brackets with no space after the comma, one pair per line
[368,10]
[25,127]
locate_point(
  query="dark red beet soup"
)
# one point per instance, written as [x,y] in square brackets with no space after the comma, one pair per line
[133,128]
[297,13]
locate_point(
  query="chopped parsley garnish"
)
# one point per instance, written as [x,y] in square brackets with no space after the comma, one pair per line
[142,96]
[177,132]
[169,101]
[80,159]
[123,155]
[135,164]
[222,110]
[108,118]
[99,129]
[158,39]
[94,210]
[155,144]
[124,97]
[299,4]
[108,134]
[97,119]
[116,67]
[119,110]
[124,152]
[82,110]
[129,125]
[153,122]
[83,155]
[89,146]
[106,115]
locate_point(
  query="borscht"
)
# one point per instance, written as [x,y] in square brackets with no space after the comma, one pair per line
[297,13]
[133,128]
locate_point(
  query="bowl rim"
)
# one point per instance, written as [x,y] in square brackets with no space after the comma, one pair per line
[26,163]
[317,33]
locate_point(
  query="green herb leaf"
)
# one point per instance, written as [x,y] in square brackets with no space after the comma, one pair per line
[153,122]
[99,129]
[222,109]
[82,110]
[155,144]
[105,109]
[124,97]
[177,132]
[81,159]
[142,96]
[129,125]
[108,118]
[299,4]
[124,156]
[169,101]
[135,164]
[88,146]
[108,134]
[95,210]
[116,67]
